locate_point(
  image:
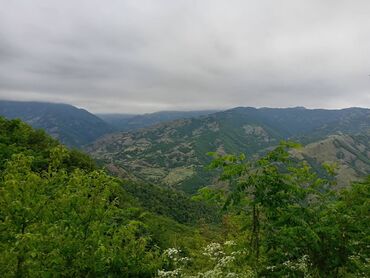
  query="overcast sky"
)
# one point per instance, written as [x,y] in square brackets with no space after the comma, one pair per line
[143,56]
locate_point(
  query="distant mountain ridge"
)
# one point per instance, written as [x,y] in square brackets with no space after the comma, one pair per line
[128,122]
[174,153]
[77,127]
[73,126]
[300,121]
[169,147]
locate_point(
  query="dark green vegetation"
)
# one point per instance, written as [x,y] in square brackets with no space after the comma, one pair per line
[72,126]
[127,122]
[173,154]
[173,204]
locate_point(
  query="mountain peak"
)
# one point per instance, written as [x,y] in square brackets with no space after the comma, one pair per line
[71,125]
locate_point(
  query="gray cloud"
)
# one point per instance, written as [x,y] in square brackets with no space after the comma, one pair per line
[142,56]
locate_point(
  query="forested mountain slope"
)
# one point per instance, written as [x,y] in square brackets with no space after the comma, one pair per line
[174,154]
[127,122]
[72,126]
[349,153]
[60,215]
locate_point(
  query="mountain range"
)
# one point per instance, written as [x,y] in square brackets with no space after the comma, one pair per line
[174,153]
[72,126]
[130,122]
[76,127]
[169,148]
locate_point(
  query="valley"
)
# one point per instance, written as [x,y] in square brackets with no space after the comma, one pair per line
[174,154]
[156,203]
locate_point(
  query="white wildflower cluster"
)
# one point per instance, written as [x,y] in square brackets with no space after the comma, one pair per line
[221,263]
[217,273]
[172,253]
[357,259]
[232,275]
[271,268]
[302,265]
[226,261]
[214,251]
[238,253]
[169,274]
[213,273]
[229,243]
[183,260]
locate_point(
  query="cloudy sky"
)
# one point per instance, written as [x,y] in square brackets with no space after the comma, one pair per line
[143,56]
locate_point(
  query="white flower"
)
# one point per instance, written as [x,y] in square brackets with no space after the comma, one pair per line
[172,253]
[169,274]
[232,275]
[213,250]
[225,261]
[229,243]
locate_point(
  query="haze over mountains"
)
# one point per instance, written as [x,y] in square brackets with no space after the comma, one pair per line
[74,127]
[174,153]
[77,127]
[169,148]
[129,122]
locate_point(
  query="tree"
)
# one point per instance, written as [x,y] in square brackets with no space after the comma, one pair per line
[70,224]
[286,201]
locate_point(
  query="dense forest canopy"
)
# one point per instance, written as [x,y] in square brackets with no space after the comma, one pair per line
[62,215]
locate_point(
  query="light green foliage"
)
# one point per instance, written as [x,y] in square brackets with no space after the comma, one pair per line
[61,217]
[214,261]
[210,196]
[345,227]
[70,224]
[298,225]
[17,137]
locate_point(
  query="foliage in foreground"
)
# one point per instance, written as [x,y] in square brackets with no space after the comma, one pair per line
[215,261]
[68,224]
[293,217]
[290,223]
[173,204]
[60,216]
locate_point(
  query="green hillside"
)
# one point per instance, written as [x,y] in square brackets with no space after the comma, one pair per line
[130,122]
[60,215]
[174,154]
[74,127]
[350,154]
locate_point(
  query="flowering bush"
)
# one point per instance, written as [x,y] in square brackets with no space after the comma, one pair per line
[220,263]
